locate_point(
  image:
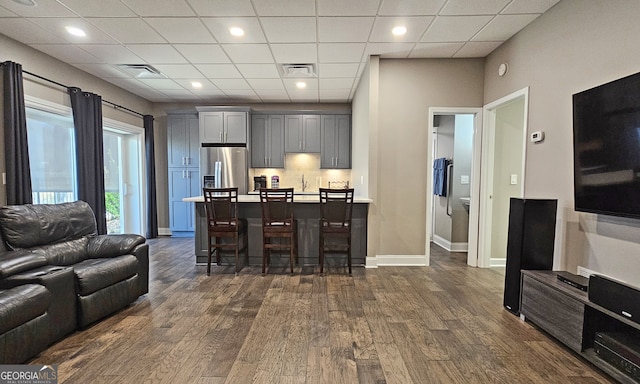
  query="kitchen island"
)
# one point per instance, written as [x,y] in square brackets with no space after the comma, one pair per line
[306,210]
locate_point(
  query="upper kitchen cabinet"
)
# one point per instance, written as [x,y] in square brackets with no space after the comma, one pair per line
[223,126]
[183,145]
[267,141]
[336,142]
[302,133]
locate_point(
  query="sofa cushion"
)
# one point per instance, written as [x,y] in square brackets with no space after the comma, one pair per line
[21,304]
[95,274]
[12,262]
[64,253]
[27,226]
[113,245]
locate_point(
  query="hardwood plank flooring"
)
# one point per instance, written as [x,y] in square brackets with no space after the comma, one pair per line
[439,324]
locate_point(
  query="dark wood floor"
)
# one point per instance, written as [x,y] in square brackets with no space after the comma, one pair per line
[438,324]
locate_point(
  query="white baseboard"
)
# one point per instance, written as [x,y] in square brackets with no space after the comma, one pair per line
[396,261]
[582,271]
[502,262]
[164,232]
[449,246]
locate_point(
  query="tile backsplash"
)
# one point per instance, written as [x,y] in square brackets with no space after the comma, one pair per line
[298,164]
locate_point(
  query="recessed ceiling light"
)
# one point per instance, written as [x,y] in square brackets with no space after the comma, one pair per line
[196,84]
[28,3]
[235,31]
[301,84]
[75,31]
[399,30]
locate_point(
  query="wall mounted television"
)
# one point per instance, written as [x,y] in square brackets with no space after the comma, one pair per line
[606,148]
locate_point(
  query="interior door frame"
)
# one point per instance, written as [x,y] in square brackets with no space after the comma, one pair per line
[480,250]
[477,128]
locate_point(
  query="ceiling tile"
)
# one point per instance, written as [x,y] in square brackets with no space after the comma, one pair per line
[341,83]
[344,29]
[502,27]
[334,95]
[222,7]
[410,7]
[270,84]
[389,50]
[111,54]
[160,7]
[219,71]
[219,27]
[67,53]
[243,96]
[446,29]
[157,53]
[178,93]
[181,30]
[248,53]
[285,7]
[4,12]
[203,53]
[179,71]
[236,84]
[28,33]
[415,28]
[102,70]
[304,96]
[128,30]
[289,29]
[290,84]
[268,95]
[259,71]
[477,49]
[340,52]
[475,7]
[45,8]
[204,92]
[161,84]
[436,50]
[338,70]
[529,6]
[102,8]
[347,8]
[57,25]
[295,53]
[206,84]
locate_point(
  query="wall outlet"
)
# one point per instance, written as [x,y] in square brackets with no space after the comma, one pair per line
[584,272]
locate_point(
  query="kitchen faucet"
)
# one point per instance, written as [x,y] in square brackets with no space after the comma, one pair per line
[304,183]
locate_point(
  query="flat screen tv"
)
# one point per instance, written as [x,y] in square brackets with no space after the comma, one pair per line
[606,148]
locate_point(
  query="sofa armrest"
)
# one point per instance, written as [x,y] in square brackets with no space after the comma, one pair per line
[13,262]
[105,246]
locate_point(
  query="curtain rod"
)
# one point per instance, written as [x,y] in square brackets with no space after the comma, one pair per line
[114,105]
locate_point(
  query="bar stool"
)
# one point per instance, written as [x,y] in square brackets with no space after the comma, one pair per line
[223,223]
[336,206]
[278,223]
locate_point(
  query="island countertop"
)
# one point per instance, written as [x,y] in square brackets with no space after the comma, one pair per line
[306,198]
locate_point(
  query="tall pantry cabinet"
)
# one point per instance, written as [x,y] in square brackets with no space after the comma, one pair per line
[183,146]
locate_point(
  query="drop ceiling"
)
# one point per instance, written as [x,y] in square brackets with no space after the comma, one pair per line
[189,41]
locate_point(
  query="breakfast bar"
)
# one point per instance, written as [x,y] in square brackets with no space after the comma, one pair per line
[307,213]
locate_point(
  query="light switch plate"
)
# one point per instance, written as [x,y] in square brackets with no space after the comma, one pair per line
[514,179]
[464,179]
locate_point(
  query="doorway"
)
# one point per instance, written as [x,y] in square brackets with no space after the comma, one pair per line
[502,161]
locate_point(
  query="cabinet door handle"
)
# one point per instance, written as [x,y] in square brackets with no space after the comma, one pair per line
[220,136]
[300,145]
[183,175]
[265,160]
[225,137]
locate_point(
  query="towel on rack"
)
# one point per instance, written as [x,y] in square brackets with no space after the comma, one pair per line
[440,176]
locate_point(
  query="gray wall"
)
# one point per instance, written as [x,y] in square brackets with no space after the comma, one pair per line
[577,45]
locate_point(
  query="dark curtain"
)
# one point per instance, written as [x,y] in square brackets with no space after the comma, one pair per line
[16,147]
[152,204]
[87,121]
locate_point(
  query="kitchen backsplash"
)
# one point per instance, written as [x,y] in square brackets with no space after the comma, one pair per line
[299,164]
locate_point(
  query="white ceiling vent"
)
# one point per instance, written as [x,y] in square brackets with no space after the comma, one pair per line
[298,70]
[141,71]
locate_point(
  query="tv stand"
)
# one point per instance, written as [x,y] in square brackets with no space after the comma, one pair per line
[566,313]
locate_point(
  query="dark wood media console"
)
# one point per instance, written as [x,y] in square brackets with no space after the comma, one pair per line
[566,313]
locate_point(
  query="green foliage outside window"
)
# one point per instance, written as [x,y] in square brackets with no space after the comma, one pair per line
[112,200]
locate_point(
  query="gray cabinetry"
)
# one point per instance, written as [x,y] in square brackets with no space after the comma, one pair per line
[222,127]
[183,149]
[567,314]
[336,142]
[267,141]
[302,133]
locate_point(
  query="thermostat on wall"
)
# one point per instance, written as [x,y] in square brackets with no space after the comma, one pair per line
[537,136]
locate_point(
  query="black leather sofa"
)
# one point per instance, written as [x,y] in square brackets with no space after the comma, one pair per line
[58,275]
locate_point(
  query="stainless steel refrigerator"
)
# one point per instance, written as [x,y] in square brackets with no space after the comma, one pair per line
[224,167]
